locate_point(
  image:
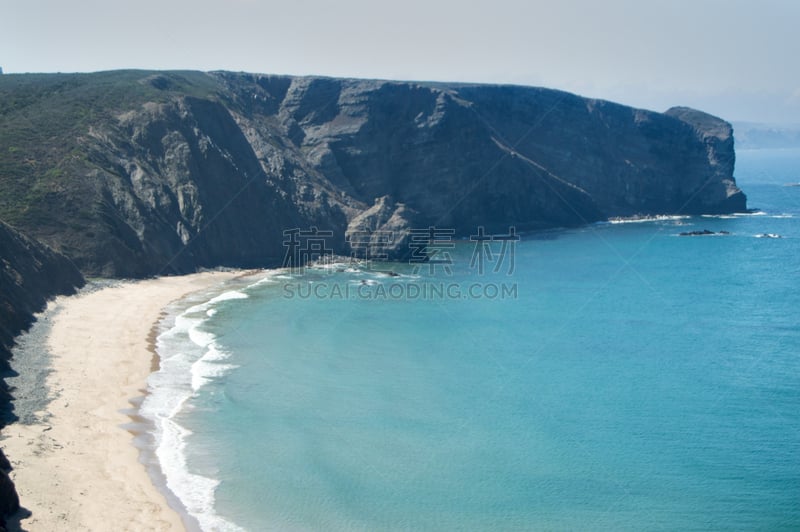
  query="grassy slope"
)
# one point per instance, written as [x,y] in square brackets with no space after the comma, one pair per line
[42,120]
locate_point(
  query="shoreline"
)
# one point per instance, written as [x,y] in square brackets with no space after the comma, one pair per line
[78,460]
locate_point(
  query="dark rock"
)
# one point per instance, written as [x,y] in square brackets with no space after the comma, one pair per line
[382,232]
[30,274]
[9,500]
[717,192]
[704,232]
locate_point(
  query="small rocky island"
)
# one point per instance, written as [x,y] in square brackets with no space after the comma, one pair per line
[703,232]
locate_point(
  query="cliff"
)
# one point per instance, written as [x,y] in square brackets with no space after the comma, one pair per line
[134,173]
[30,274]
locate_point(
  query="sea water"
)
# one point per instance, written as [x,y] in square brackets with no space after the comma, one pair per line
[612,377]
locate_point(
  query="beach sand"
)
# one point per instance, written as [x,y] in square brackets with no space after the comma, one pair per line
[78,469]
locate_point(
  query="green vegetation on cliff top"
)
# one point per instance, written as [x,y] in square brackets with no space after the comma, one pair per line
[43,118]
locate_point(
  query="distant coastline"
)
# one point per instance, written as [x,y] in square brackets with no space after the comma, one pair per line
[761,136]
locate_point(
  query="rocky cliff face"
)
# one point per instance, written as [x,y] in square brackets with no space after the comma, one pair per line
[718,193]
[30,274]
[9,499]
[181,186]
[141,173]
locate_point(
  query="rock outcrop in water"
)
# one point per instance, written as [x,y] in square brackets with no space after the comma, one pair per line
[136,173]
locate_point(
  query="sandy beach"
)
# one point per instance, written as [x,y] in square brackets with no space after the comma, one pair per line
[79,469]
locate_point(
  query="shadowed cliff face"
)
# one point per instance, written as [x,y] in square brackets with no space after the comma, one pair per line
[144,173]
[30,274]
[183,187]
[432,151]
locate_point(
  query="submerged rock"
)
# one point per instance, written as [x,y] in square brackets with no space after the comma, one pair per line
[704,232]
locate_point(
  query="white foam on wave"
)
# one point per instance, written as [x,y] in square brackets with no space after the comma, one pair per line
[209,366]
[747,214]
[200,337]
[365,282]
[349,266]
[196,492]
[330,266]
[227,296]
[269,278]
[189,359]
[208,305]
[644,219]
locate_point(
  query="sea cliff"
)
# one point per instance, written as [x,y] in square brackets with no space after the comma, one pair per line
[134,173]
[30,274]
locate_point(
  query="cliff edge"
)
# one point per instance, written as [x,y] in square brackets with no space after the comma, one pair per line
[30,274]
[139,173]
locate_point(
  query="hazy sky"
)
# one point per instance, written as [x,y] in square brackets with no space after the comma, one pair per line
[735,58]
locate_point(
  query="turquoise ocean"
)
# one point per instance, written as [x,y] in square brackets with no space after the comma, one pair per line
[612,377]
